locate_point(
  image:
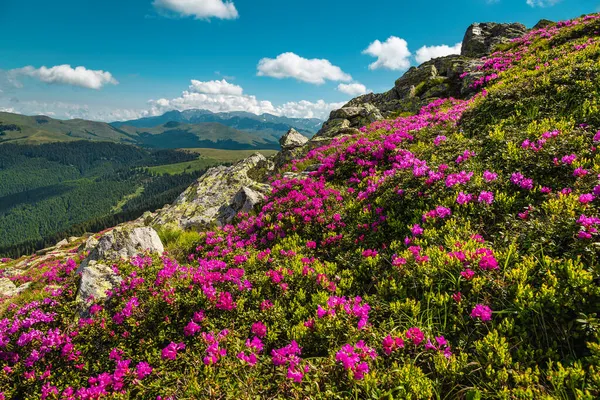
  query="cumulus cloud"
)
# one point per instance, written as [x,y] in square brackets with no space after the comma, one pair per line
[426,53]
[64,110]
[216,87]
[290,65]
[199,9]
[223,97]
[353,89]
[66,75]
[542,3]
[392,54]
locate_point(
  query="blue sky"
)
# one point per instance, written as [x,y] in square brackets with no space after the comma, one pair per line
[144,57]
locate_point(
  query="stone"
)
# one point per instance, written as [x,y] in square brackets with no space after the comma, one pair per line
[62,243]
[7,287]
[203,203]
[96,279]
[481,38]
[122,243]
[119,244]
[348,119]
[292,139]
[244,201]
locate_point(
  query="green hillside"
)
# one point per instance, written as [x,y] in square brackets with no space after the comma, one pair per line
[15,128]
[452,253]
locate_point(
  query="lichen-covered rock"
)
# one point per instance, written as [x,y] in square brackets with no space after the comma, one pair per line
[201,205]
[124,242]
[481,38]
[96,279]
[244,201]
[292,139]
[118,244]
[348,119]
[7,287]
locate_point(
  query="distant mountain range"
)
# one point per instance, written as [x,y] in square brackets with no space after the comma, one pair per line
[264,123]
[186,129]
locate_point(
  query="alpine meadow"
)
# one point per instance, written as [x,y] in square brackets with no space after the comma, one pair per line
[439,240]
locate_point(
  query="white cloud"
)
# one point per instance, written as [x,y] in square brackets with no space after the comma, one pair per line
[206,96]
[199,9]
[426,53]
[542,3]
[392,54]
[353,89]
[215,96]
[307,109]
[290,65]
[66,75]
[216,87]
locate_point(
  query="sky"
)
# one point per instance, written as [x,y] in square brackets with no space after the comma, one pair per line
[115,60]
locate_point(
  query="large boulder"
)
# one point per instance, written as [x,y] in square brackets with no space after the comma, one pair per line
[119,244]
[9,289]
[96,279]
[244,201]
[481,38]
[349,119]
[292,139]
[202,204]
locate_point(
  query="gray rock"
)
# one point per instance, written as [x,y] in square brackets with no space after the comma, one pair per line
[348,119]
[481,38]
[292,139]
[7,288]
[96,279]
[202,204]
[62,243]
[122,243]
[244,201]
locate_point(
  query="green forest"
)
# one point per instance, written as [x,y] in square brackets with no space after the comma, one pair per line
[52,191]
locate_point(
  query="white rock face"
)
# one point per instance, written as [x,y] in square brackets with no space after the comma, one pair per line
[292,139]
[119,244]
[9,289]
[96,279]
[206,201]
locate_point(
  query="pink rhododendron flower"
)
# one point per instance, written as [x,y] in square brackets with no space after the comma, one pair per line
[170,352]
[464,198]
[586,198]
[415,335]
[490,176]
[143,369]
[486,197]
[259,329]
[484,313]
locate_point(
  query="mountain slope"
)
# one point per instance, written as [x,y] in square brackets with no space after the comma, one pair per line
[205,134]
[17,128]
[448,254]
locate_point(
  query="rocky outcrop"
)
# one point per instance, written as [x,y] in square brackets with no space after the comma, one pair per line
[118,244]
[9,289]
[481,38]
[96,279]
[210,200]
[436,78]
[244,201]
[292,144]
[292,139]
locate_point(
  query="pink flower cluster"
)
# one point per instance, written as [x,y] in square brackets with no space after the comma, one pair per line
[290,357]
[482,312]
[352,307]
[355,358]
[213,351]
